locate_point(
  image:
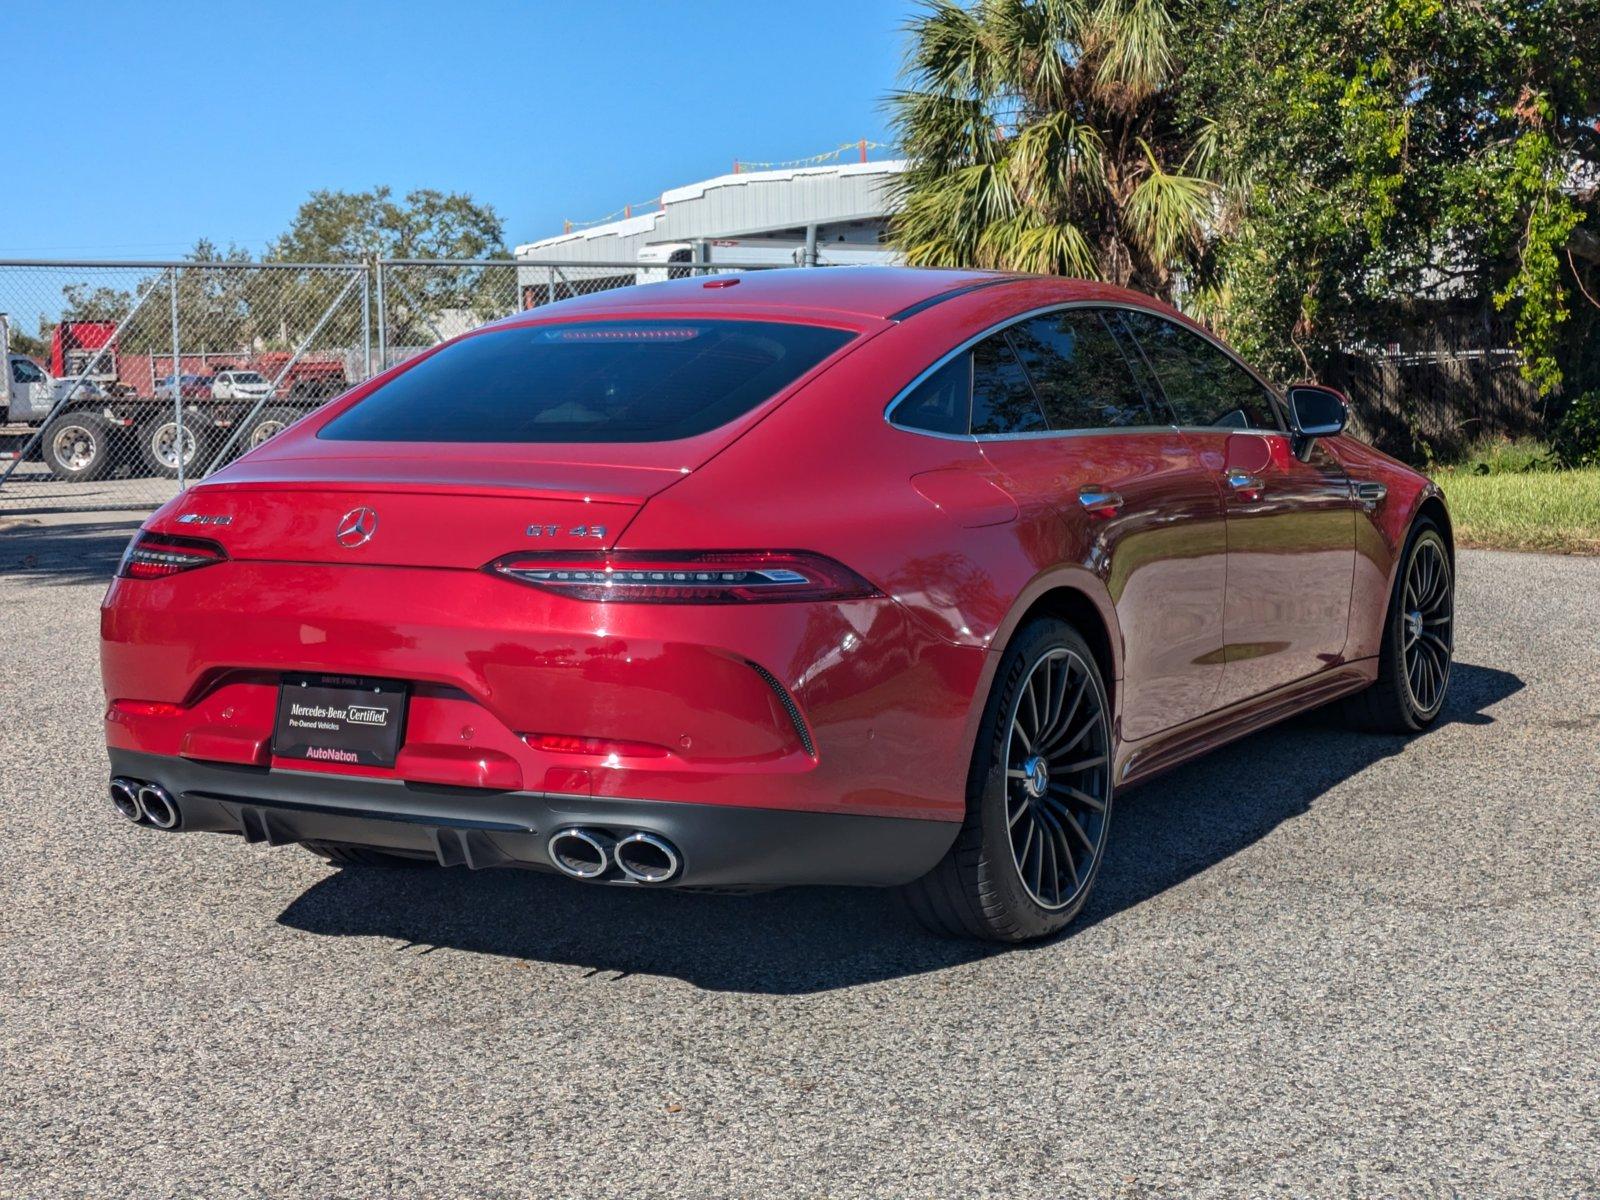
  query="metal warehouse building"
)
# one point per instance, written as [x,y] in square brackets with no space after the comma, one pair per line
[818,216]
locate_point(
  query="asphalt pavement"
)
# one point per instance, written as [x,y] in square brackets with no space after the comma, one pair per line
[1319,963]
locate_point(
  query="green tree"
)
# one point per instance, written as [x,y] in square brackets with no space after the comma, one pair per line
[1394,157]
[1046,135]
[339,227]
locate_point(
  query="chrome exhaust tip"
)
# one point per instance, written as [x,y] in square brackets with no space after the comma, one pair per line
[159,808]
[646,858]
[125,798]
[580,853]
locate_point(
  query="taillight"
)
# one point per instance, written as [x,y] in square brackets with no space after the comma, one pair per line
[687,576]
[157,555]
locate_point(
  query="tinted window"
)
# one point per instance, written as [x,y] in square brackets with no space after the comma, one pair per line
[942,402]
[1079,371]
[601,381]
[1202,384]
[1002,398]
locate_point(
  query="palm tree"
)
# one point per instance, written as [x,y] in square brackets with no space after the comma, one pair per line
[1044,135]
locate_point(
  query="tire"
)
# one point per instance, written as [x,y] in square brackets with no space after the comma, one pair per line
[77,445]
[158,440]
[1413,669]
[341,855]
[1019,826]
[269,422]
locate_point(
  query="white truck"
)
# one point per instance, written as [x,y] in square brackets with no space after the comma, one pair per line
[106,425]
[29,395]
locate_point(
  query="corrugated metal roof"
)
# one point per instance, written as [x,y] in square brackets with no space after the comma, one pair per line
[743,204]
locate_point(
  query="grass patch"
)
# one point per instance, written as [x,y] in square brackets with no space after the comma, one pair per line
[1525,510]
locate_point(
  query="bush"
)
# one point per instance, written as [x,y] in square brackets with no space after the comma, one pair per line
[1577,438]
[1507,456]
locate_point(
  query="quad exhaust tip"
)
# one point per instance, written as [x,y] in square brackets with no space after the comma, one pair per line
[580,853]
[125,798]
[144,803]
[158,807]
[646,858]
[592,853]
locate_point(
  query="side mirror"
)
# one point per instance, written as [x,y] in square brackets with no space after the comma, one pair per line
[1314,412]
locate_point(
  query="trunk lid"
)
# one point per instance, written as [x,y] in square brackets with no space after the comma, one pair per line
[413,510]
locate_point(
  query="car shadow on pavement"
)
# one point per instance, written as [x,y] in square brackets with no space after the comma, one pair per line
[58,553]
[816,939]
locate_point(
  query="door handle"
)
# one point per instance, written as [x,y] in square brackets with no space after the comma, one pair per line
[1369,492]
[1098,502]
[1245,485]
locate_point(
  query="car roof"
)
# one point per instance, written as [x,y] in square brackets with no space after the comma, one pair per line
[865,293]
[868,292]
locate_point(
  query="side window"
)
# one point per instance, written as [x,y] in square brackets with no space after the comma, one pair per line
[1202,384]
[24,371]
[1079,371]
[1002,398]
[942,402]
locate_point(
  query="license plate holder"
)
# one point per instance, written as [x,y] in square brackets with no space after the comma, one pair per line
[340,719]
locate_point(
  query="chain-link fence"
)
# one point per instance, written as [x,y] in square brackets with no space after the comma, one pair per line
[125,382]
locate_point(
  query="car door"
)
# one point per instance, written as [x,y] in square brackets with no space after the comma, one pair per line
[1059,411]
[30,390]
[1290,522]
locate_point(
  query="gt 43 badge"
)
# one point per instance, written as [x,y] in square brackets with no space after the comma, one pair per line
[577,531]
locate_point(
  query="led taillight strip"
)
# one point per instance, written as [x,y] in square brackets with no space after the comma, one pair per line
[688,577]
[159,555]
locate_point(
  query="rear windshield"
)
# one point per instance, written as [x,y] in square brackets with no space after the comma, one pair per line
[602,381]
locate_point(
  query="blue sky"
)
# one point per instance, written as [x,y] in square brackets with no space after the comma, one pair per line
[151,124]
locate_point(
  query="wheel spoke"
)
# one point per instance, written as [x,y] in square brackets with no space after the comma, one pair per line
[1038,872]
[1058,837]
[1072,793]
[1027,843]
[1075,739]
[1060,727]
[1082,765]
[1055,869]
[1432,676]
[1057,698]
[1016,728]
[1072,823]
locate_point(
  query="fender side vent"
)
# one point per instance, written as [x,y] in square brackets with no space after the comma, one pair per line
[789,706]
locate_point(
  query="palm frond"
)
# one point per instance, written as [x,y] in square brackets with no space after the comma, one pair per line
[1166,211]
[1131,39]
[1058,248]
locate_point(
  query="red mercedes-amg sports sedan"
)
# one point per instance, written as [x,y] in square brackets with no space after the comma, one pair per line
[849,576]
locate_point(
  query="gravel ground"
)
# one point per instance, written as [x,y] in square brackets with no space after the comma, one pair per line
[1319,964]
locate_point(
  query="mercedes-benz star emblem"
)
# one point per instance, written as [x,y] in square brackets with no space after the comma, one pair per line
[356,528]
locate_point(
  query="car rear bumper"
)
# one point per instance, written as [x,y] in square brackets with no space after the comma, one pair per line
[842,707]
[719,845]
